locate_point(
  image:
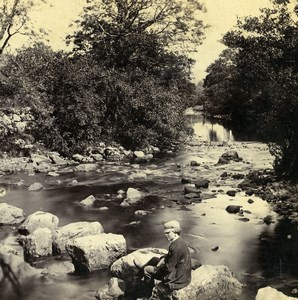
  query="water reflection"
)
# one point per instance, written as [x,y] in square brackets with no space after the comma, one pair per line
[210,131]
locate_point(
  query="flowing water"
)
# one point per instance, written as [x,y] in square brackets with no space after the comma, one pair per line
[257,254]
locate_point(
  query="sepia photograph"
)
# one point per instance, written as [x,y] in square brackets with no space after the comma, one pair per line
[148,149]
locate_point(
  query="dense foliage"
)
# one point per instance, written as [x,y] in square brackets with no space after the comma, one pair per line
[254,82]
[122,82]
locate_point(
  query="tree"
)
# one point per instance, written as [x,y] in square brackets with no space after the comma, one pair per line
[14,19]
[119,32]
[149,85]
[265,69]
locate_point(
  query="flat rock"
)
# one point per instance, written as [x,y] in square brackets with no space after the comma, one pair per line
[74,230]
[96,252]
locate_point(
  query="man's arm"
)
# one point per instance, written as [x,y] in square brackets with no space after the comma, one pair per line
[171,262]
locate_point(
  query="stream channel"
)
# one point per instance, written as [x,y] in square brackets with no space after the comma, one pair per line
[258,254]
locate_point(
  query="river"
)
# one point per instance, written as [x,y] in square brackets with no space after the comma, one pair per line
[256,253]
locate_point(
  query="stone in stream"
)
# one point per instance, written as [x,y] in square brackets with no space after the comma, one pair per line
[192,195]
[53,174]
[37,186]
[64,234]
[185,180]
[112,290]
[249,192]
[205,196]
[194,163]
[231,155]
[224,175]
[10,215]
[137,176]
[86,167]
[133,196]
[233,209]
[96,252]
[244,219]
[238,176]
[269,293]
[268,220]
[39,219]
[202,183]
[190,189]
[231,193]
[37,244]
[142,213]
[89,201]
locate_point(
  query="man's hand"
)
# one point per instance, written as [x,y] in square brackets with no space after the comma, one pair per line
[161,262]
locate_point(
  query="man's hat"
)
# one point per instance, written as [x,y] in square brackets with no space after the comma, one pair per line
[172,226]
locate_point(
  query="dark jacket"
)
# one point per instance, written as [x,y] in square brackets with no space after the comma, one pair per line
[178,264]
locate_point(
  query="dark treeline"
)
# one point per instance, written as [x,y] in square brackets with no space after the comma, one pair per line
[122,81]
[254,82]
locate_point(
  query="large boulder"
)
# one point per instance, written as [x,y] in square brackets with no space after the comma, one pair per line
[271,293]
[96,252]
[37,220]
[10,215]
[74,230]
[211,283]
[124,268]
[37,244]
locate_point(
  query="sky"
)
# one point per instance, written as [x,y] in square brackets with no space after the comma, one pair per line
[221,16]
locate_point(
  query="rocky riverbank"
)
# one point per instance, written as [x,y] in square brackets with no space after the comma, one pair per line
[212,170]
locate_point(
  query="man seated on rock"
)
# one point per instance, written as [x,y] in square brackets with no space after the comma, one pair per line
[173,270]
